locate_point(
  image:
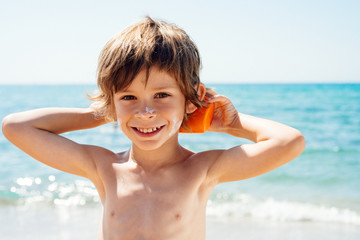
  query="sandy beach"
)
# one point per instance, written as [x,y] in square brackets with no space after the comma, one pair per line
[259,230]
[68,223]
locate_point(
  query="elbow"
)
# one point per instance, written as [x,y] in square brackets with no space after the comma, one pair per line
[292,144]
[301,142]
[6,125]
[9,125]
[297,143]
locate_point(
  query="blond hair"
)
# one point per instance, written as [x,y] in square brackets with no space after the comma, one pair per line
[140,46]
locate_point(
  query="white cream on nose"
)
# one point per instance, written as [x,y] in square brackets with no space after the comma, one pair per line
[148,110]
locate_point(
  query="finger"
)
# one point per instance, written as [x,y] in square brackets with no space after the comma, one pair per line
[219,99]
[211,92]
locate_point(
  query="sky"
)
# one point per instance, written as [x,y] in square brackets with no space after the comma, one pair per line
[240,41]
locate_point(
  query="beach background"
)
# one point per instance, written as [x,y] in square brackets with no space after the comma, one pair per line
[296,62]
[317,195]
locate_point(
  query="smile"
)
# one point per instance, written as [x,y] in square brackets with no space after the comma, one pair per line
[148,130]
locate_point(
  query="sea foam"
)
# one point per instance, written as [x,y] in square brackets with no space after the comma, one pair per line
[270,209]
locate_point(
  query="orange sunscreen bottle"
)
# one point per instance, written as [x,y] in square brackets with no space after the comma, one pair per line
[199,121]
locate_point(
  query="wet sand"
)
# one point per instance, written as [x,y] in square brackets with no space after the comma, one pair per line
[66,223]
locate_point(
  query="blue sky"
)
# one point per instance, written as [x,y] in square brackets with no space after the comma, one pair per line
[248,41]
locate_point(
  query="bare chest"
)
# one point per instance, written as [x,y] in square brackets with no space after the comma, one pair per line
[156,206]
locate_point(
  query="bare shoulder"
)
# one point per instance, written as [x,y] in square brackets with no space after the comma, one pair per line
[103,160]
[205,158]
[204,161]
[103,155]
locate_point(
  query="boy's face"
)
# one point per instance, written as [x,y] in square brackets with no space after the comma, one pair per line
[150,115]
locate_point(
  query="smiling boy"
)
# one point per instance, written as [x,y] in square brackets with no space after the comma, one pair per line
[148,77]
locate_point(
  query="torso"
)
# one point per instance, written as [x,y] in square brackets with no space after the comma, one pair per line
[166,204]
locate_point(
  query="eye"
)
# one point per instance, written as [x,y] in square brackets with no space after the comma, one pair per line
[128,97]
[162,95]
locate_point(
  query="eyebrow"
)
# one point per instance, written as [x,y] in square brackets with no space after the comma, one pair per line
[162,88]
[126,91]
[155,89]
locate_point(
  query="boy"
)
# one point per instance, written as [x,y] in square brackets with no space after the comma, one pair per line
[148,77]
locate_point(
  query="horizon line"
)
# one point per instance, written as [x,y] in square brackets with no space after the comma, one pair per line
[209,83]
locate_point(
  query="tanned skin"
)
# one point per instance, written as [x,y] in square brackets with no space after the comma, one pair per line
[157,189]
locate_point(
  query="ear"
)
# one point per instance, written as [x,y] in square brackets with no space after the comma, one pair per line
[201,92]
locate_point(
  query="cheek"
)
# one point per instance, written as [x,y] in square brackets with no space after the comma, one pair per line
[119,122]
[176,123]
[175,118]
[121,115]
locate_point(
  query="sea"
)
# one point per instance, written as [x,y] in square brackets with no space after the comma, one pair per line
[321,186]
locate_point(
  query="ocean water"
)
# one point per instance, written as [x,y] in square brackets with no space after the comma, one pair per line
[320,186]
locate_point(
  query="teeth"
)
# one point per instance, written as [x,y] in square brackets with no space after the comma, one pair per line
[147,130]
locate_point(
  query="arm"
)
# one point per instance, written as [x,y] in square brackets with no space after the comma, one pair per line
[275,144]
[36,133]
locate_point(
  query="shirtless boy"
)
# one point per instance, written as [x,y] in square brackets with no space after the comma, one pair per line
[148,78]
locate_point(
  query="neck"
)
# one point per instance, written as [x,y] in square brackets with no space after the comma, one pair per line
[152,160]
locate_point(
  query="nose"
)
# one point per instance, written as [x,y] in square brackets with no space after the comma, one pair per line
[146,113]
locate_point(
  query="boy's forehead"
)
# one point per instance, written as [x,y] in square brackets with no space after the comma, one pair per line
[156,79]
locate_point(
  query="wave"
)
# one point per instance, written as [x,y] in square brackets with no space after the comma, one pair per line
[39,191]
[270,209]
[33,191]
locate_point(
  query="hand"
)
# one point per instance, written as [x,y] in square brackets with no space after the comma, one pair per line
[98,111]
[225,114]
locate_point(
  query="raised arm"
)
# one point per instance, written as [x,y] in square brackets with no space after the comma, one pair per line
[274,144]
[36,133]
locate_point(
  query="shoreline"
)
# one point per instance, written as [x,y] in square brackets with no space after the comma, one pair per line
[256,230]
[67,223]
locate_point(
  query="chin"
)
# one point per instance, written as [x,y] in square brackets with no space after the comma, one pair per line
[148,146]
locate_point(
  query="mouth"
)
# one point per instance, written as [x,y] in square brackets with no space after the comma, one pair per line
[148,131]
